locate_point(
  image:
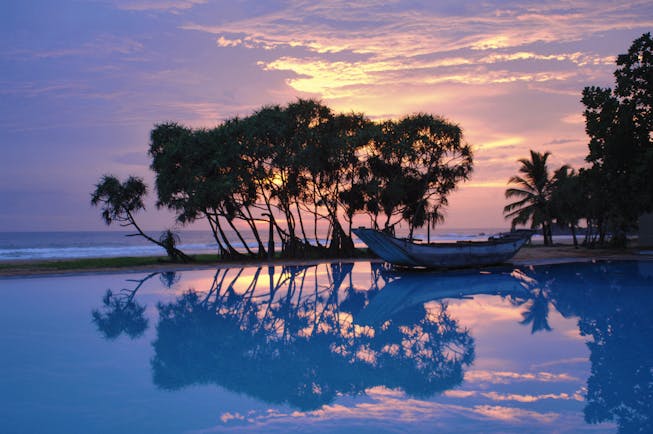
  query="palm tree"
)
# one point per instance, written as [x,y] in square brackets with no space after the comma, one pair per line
[533,191]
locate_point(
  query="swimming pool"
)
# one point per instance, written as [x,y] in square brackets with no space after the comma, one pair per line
[330,348]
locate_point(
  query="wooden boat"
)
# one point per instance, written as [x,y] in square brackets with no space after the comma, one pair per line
[405,253]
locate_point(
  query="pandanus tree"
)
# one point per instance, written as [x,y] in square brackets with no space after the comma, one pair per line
[415,163]
[331,167]
[533,192]
[305,172]
[120,201]
[200,174]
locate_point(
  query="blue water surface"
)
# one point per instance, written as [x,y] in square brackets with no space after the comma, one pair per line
[330,348]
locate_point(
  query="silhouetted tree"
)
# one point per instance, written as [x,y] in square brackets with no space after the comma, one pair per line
[414,164]
[121,201]
[619,123]
[285,166]
[569,203]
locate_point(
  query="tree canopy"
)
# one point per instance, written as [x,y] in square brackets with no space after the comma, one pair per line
[533,189]
[120,201]
[286,172]
[619,123]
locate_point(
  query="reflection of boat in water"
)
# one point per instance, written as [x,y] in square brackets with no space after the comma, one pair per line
[444,255]
[415,289]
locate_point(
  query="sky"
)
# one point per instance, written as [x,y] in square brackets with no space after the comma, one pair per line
[83,82]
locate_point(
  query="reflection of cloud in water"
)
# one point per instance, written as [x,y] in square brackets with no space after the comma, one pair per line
[505,377]
[385,407]
[530,398]
[569,361]
[495,396]
[489,311]
[514,414]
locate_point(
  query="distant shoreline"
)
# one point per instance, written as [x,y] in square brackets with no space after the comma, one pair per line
[529,255]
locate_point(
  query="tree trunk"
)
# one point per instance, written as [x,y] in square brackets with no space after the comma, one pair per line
[172,252]
[252,225]
[232,250]
[216,237]
[240,237]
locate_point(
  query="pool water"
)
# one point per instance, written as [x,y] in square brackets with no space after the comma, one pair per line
[330,348]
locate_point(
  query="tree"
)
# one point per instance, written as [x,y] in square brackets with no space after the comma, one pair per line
[619,123]
[302,165]
[533,192]
[415,163]
[567,199]
[120,201]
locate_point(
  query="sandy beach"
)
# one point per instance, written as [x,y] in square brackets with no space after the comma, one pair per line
[529,255]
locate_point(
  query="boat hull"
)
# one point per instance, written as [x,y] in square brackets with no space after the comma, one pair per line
[443,255]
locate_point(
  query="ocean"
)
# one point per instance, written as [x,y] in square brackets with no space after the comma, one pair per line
[102,244]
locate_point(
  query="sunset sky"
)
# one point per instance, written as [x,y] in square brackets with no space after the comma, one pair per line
[84,81]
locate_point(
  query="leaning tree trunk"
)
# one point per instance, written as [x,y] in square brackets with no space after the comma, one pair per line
[172,252]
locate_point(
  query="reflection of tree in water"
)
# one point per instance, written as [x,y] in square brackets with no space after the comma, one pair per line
[122,314]
[615,309]
[537,312]
[536,301]
[297,342]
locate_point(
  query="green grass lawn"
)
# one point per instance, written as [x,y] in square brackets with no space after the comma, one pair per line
[127,262]
[101,263]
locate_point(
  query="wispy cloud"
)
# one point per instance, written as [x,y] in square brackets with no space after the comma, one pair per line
[386,32]
[101,46]
[157,5]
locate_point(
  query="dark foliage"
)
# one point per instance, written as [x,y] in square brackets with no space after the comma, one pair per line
[283,172]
